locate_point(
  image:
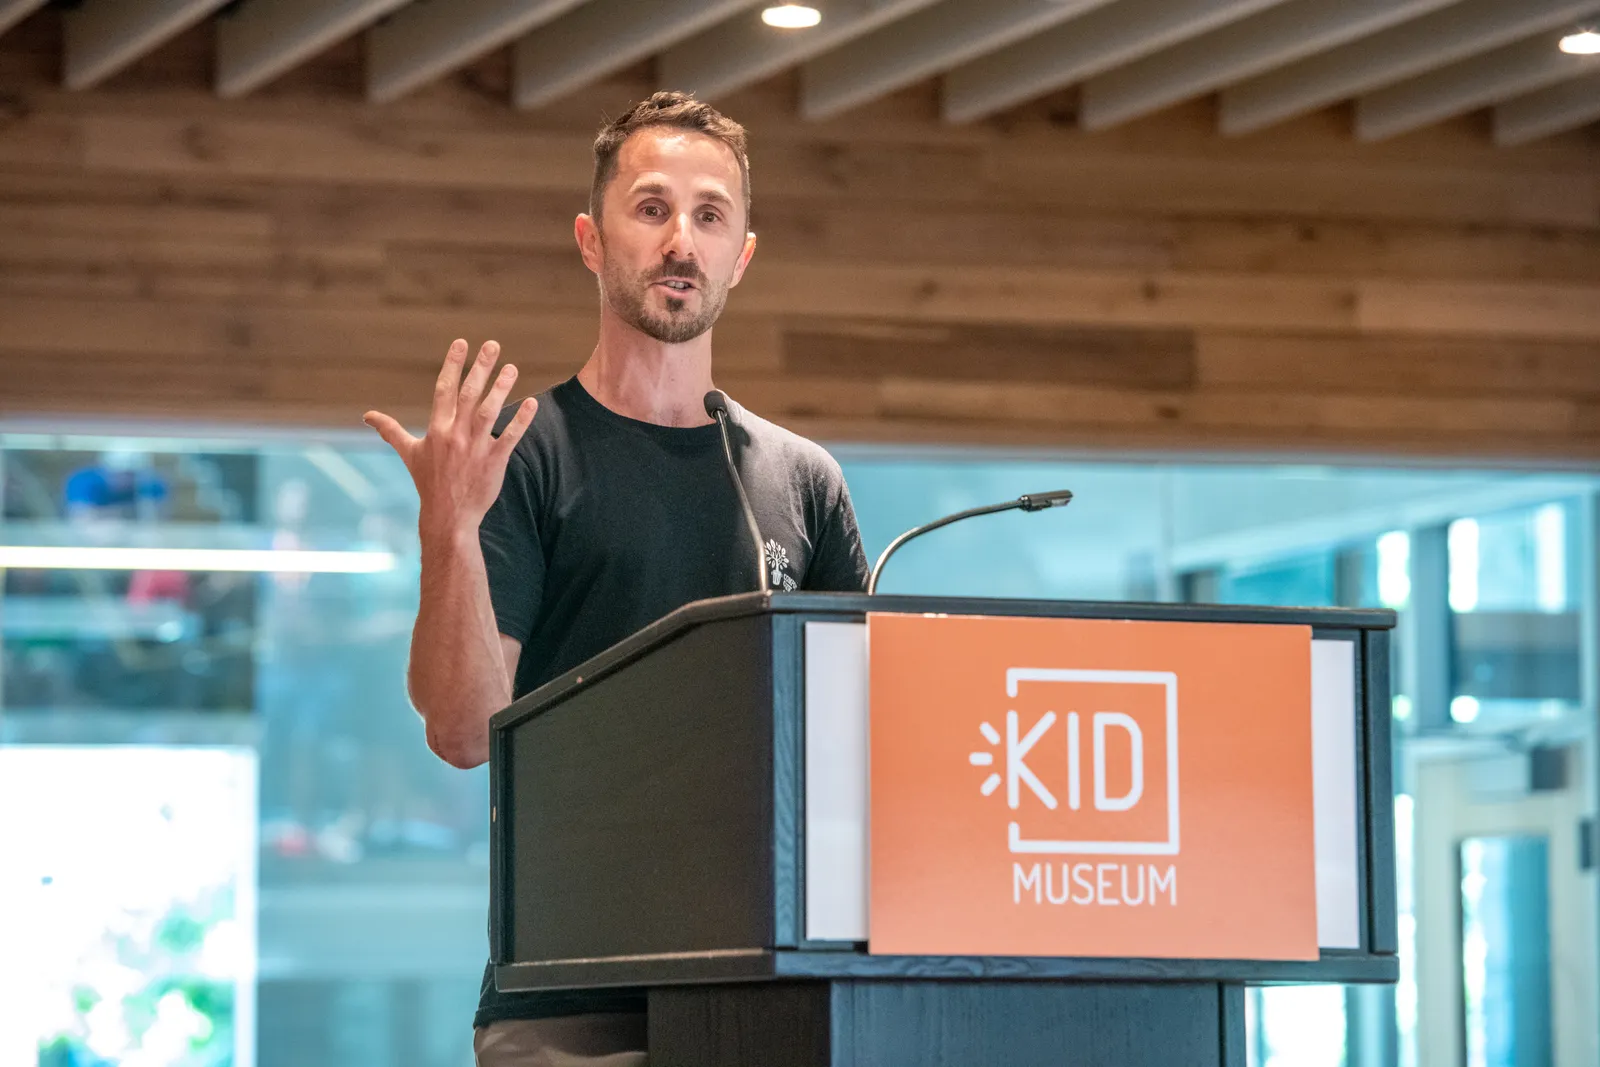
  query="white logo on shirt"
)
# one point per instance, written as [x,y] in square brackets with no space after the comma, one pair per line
[777,567]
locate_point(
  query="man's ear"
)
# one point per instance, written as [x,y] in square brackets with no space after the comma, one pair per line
[744,257]
[587,232]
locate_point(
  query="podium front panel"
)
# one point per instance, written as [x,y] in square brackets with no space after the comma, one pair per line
[837,796]
[668,820]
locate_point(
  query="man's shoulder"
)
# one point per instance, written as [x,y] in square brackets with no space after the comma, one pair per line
[794,450]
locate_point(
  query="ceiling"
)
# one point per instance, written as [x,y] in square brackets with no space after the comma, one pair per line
[1402,64]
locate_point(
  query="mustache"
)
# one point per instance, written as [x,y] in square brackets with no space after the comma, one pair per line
[687,270]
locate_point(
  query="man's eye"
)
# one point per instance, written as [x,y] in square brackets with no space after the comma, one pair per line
[709,216]
[651,210]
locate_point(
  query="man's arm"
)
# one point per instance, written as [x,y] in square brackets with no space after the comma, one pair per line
[459,675]
[462,668]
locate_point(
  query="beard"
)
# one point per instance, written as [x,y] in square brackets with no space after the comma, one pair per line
[629,296]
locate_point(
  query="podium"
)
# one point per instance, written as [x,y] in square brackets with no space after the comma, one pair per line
[685,813]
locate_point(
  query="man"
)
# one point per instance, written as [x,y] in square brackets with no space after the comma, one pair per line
[552,530]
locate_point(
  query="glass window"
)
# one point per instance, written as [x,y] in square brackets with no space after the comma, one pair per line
[1299,1026]
[165,592]
[1300,581]
[1505,951]
[127,905]
[1107,549]
[1514,616]
[126,637]
[246,605]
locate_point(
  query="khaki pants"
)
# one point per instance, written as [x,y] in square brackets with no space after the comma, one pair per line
[572,1041]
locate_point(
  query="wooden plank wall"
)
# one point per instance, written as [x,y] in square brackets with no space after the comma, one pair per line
[299,255]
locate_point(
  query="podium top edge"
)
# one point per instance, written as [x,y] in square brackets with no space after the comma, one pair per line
[742,605]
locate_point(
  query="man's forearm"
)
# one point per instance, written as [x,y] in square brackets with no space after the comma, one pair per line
[457,676]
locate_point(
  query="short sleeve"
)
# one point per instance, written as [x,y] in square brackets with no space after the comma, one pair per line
[512,552]
[839,563]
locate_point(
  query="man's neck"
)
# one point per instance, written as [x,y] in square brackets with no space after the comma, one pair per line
[637,376]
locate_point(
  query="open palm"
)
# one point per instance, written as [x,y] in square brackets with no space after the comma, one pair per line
[458,465]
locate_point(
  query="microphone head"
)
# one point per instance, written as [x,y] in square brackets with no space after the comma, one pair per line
[716,403]
[1040,501]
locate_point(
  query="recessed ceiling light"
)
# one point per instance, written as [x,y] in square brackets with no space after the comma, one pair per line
[1584,42]
[791,16]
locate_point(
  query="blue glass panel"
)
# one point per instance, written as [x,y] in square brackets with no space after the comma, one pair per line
[1505,951]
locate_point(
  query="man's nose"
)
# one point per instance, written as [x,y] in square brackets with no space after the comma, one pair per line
[680,238]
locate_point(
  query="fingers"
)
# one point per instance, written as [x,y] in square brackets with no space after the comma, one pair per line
[490,408]
[391,431]
[514,429]
[477,377]
[444,390]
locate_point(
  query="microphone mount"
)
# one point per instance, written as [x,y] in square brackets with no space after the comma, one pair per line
[1027,502]
[716,403]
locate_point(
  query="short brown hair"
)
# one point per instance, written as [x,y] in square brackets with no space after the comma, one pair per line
[674,109]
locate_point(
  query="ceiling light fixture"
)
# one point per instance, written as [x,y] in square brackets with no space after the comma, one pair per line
[791,16]
[1585,41]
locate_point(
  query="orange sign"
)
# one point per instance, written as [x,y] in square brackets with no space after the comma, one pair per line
[1077,787]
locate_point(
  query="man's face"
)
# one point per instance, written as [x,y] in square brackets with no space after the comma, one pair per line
[672,238]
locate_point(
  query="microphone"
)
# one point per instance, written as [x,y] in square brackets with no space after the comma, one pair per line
[1027,502]
[717,407]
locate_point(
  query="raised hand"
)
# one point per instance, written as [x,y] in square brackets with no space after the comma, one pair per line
[458,465]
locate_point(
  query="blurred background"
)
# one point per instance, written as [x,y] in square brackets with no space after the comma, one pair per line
[1300,297]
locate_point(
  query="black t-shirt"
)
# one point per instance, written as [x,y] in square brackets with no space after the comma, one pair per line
[604,524]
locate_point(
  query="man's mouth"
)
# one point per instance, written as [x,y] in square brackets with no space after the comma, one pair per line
[677,285]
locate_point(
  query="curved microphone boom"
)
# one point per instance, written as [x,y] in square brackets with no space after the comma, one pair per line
[1026,502]
[717,407]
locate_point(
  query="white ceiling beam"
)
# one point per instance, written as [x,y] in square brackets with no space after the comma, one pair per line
[1099,41]
[1468,84]
[428,40]
[266,38]
[1280,35]
[929,43]
[1458,31]
[1546,112]
[746,50]
[103,36]
[602,37]
[14,11]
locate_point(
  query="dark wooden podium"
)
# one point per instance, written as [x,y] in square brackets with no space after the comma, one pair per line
[650,829]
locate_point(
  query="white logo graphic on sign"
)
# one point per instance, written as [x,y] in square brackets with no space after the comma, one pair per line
[1018,776]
